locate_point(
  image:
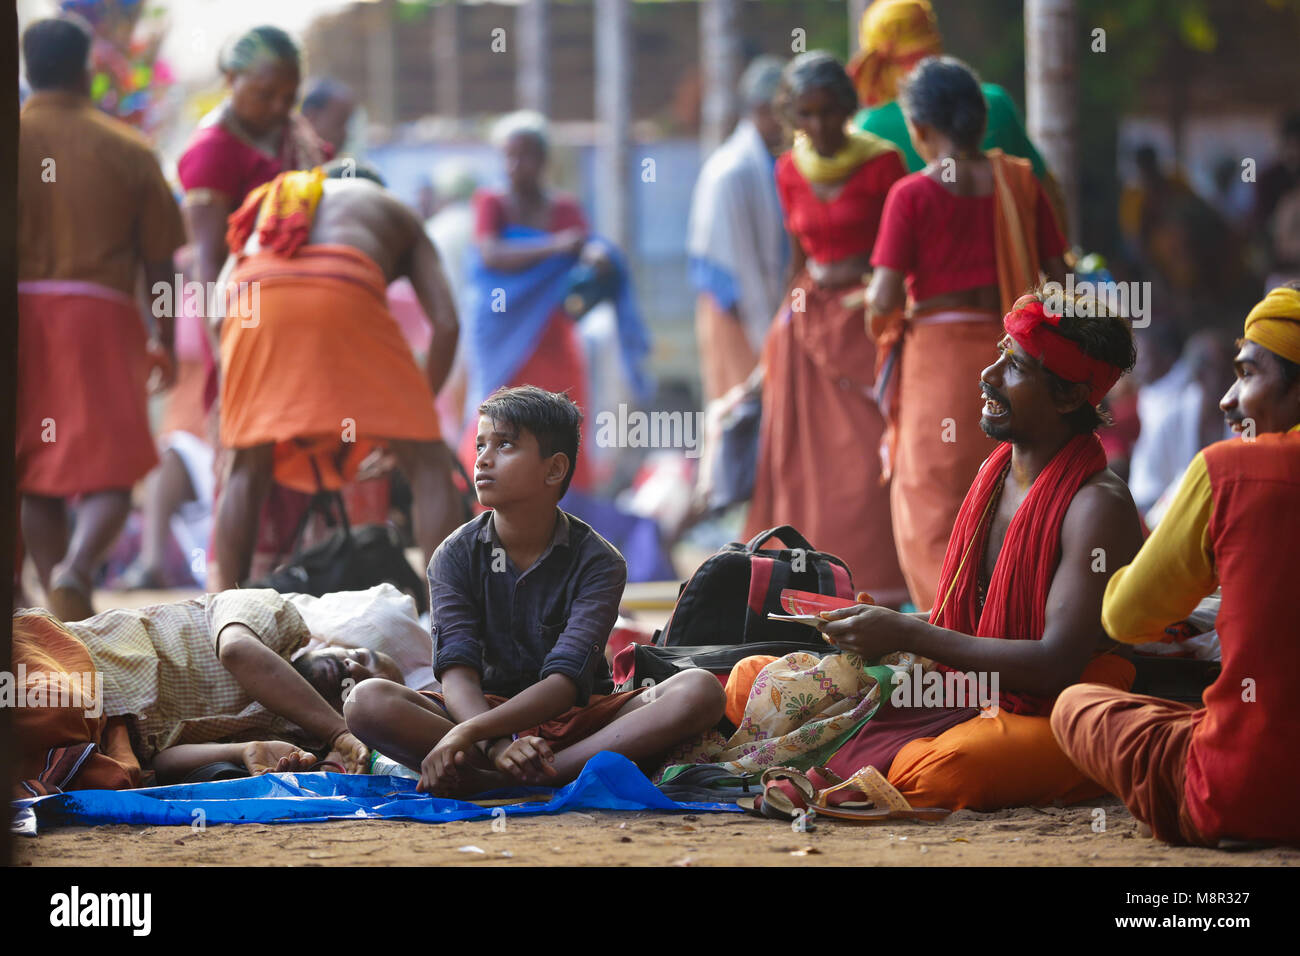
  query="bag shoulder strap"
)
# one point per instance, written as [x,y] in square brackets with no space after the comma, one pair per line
[328,504]
[788,536]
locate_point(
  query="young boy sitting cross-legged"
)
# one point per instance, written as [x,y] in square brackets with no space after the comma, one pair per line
[523,600]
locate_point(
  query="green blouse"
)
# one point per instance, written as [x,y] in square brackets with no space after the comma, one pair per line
[1005,131]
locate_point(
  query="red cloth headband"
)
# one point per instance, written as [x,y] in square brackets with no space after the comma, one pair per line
[1035,331]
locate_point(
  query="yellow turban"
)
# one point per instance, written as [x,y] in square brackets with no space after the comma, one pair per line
[893,35]
[1275,323]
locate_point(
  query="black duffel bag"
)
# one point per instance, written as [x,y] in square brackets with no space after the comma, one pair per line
[728,598]
[350,559]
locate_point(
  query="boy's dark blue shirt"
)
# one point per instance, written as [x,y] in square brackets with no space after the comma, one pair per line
[516,627]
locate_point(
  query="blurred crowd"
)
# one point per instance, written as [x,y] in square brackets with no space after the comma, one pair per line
[756,245]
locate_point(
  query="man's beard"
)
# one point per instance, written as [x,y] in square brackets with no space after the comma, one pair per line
[996,432]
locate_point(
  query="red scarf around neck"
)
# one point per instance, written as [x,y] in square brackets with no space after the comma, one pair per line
[1015,606]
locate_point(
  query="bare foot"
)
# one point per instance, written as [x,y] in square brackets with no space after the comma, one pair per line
[69,596]
[474,780]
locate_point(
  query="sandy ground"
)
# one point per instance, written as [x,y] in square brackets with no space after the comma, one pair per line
[1048,836]
[1039,837]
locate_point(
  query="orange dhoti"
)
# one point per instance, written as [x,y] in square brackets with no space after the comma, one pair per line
[312,360]
[940,444]
[1007,760]
[83,422]
[726,357]
[818,466]
[64,740]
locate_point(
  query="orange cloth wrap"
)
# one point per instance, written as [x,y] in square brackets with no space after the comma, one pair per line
[1015,226]
[1008,760]
[52,739]
[740,682]
[319,363]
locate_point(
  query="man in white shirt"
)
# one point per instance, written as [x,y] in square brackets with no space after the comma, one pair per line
[736,238]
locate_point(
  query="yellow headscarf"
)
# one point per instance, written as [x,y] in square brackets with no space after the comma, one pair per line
[1275,323]
[859,146]
[893,35]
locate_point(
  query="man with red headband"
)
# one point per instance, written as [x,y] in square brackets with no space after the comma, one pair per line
[1224,770]
[1039,533]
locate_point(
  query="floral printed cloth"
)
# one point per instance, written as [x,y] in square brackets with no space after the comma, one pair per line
[801,709]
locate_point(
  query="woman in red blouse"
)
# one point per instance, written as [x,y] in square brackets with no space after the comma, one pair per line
[247,140]
[949,247]
[817,463]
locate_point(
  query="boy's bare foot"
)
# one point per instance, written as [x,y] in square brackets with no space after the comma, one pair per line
[473,780]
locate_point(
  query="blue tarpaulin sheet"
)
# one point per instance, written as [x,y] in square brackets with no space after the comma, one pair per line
[608,782]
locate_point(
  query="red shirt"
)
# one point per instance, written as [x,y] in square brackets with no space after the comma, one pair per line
[845,225]
[217,159]
[490,214]
[1241,777]
[944,242]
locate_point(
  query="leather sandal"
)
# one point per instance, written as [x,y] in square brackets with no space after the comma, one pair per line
[786,791]
[866,797]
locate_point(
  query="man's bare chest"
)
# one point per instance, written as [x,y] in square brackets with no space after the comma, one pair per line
[1009,501]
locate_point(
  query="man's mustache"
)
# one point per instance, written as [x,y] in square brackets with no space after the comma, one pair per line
[994,394]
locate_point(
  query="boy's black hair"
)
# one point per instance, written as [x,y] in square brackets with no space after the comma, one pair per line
[57,52]
[945,93]
[551,417]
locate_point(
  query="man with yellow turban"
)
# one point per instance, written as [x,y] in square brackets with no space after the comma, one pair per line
[1223,771]
[895,35]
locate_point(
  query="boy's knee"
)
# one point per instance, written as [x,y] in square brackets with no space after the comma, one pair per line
[704,694]
[369,705]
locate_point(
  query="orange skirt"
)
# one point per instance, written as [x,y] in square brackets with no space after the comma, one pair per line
[316,363]
[818,460]
[940,445]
